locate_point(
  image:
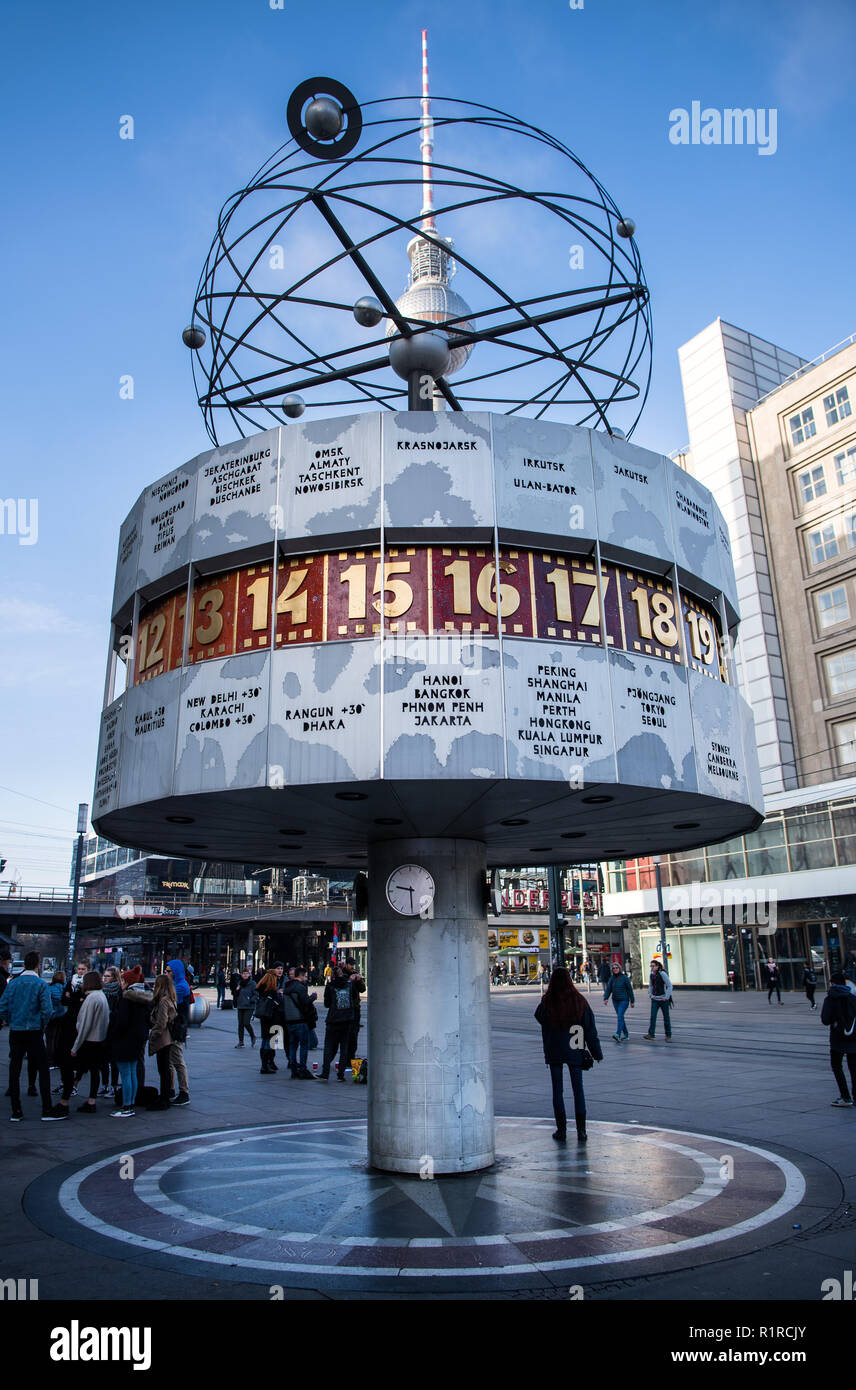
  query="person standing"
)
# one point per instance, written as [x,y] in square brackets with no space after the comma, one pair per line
[604,972]
[112,993]
[839,1016]
[90,1039]
[56,987]
[619,989]
[298,1009]
[246,998]
[130,1031]
[356,979]
[774,981]
[810,984]
[660,994]
[72,1000]
[26,1005]
[182,989]
[163,1014]
[221,986]
[339,995]
[269,1014]
[569,1038]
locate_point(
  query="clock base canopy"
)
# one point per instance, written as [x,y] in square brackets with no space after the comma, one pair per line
[431,1093]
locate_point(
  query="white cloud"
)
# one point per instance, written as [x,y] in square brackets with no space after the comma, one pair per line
[23,617]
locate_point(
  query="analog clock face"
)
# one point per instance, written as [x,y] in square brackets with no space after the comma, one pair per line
[410,890]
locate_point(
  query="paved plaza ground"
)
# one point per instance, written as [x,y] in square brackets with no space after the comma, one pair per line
[716,1169]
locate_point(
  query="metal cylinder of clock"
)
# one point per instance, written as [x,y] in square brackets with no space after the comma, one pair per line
[431,1095]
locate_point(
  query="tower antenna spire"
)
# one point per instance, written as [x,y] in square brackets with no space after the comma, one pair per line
[427,144]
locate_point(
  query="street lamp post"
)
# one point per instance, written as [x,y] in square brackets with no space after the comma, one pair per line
[82,819]
[660,913]
[583,943]
[557,923]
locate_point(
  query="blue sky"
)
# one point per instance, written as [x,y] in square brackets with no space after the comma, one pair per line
[104,239]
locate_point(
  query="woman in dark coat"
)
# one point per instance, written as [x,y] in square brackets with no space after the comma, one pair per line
[269,1013]
[129,1035]
[72,1001]
[567,1031]
[839,1015]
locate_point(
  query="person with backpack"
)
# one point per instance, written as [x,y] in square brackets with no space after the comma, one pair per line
[269,1014]
[163,1016]
[620,990]
[810,983]
[340,1002]
[660,994]
[130,1032]
[299,1013]
[246,997]
[569,1037]
[839,1016]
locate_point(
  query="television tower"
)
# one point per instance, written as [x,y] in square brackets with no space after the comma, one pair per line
[428,297]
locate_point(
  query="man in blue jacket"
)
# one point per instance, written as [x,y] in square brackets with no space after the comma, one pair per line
[26,1005]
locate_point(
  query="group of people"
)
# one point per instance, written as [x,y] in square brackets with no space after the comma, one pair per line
[279,1000]
[98,1027]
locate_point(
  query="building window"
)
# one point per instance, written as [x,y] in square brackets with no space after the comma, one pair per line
[813,483]
[802,426]
[845,741]
[845,467]
[850,529]
[823,545]
[837,406]
[841,672]
[832,606]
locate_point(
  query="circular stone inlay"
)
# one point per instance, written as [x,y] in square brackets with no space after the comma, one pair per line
[297,1203]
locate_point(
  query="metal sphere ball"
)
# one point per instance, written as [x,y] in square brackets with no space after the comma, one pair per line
[368,311]
[293,407]
[626,227]
[324,118]
[193,337]
[425,352]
